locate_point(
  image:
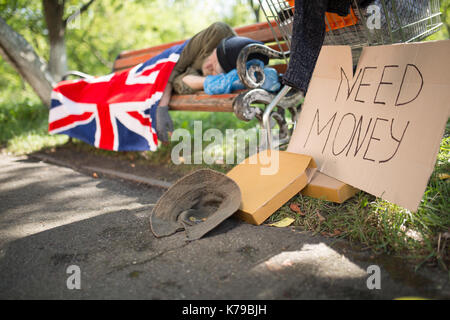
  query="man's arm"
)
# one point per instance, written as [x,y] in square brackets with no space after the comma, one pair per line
[195,82]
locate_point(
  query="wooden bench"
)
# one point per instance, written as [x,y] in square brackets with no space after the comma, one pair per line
[242,103]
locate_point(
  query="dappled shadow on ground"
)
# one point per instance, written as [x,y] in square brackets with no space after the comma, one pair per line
[120,258]
[35,196]
[52,217]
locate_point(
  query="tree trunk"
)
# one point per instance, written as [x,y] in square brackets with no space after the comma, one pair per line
[16,50]
[255,9]
[56,25]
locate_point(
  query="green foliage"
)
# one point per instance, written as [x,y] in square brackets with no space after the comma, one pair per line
[444,33]
[241,14]
[97,36]
[27,18]
[382,226]
[221,121]
[23,127]
[110,27]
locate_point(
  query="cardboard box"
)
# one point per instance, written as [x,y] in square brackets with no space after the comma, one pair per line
[264,191]
[379,128]
[328,188]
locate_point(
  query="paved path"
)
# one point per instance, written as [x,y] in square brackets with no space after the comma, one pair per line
[53,217]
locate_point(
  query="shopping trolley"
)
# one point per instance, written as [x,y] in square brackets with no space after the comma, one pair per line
[382,22]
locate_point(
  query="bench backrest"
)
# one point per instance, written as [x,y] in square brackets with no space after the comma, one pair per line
[259,31]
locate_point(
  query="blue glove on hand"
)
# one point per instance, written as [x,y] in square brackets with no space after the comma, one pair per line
[271,82]
[222,83]
[226,83]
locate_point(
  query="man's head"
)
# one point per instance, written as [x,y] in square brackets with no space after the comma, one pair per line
[229,48]
[211,65]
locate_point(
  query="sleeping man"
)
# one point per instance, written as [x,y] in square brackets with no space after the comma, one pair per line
[211,52]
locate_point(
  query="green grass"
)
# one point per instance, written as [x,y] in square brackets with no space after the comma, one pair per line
[363,220]
[382,226]
[23,128]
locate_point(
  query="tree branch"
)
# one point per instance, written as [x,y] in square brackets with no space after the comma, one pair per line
[21,55]
[255,9]
[97,54]
[78,12]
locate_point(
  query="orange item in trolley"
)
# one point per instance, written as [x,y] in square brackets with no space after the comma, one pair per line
[335,21]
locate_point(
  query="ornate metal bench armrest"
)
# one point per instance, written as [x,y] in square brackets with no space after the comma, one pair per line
[243,109]
[247,77]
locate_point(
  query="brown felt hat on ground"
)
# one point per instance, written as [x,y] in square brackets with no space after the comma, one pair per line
[197,203]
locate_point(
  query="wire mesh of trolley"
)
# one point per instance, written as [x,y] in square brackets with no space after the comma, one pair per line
[382,22]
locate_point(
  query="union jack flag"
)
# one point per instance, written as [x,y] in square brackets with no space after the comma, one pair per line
[115,111]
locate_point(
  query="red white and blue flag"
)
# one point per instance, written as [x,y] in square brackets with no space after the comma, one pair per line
[116,111]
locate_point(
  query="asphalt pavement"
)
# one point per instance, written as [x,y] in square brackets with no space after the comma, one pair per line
[69,235]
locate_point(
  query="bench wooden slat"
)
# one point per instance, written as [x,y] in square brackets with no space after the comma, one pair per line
[281,68]
[158,48]
[261,28]
[203,102]
[259,31]
[125,63]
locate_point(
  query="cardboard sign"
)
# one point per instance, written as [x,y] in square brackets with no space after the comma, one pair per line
[380,128]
